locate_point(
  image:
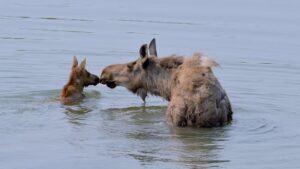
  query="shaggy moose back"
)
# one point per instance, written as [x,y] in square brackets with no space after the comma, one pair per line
[197,98]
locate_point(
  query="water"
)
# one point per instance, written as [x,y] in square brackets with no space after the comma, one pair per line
[256,42]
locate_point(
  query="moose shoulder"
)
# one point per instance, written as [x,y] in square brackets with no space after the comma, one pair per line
[196,96]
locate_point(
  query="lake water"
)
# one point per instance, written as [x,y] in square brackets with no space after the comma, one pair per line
[256,42]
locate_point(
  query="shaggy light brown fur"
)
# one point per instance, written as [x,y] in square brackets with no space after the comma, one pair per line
[196,97]
[79,78]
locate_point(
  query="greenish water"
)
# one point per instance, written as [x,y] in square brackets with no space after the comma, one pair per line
[256,43]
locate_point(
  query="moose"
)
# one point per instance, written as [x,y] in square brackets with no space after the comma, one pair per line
[196,98]
[79,78]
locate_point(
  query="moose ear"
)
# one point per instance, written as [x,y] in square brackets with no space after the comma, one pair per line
[143,51]
[144,55]
[75,62]
[152,48]
[82,64]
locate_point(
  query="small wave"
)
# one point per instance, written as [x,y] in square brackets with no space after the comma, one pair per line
[60,30]
[256,126]
[157,21]
[48,18]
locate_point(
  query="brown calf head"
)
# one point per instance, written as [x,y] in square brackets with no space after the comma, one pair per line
[80,76]
[131,75]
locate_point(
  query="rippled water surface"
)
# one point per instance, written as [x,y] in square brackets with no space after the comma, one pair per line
[256,42]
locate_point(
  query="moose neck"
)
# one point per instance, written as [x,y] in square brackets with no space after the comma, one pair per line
[77,86]
[159,76]
[77,83]
[158,83]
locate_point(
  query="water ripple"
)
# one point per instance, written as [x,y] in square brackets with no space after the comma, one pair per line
[47,18]
[59,30]
[157,22]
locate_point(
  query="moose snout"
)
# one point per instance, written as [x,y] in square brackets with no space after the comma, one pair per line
[102,80]
[110,83]
[97,80]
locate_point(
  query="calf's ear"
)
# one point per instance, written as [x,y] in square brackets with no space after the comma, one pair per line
[152,48]
[82,65]
[75,62]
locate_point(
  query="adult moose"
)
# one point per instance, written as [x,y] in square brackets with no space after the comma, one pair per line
[195,96]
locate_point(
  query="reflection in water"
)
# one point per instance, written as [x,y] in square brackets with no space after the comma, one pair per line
[153,141]
[199,147]
[76,114]
[79,111]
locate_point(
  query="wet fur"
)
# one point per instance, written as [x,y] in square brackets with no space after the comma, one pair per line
[79,78]
[196,96]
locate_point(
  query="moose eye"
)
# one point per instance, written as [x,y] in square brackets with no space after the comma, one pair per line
[88,74]
[131,65]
